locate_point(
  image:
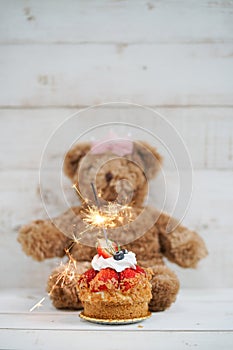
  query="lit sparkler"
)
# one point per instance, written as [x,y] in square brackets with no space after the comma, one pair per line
[99,218]
[65,277]
[68,274]
[102,217]
[105,216]
[110,215]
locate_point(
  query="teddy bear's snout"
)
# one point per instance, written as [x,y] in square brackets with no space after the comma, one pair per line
[108,176]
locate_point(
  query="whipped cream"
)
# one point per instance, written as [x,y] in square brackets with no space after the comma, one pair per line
[129,261]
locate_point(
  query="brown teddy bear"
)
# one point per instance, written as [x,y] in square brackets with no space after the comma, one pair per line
[120,171]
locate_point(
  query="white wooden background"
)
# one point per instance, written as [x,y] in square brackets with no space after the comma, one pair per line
[175,56]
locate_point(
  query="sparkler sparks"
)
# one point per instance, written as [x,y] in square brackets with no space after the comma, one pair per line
[101,217]
[79,193]
[67,274]
[63,278]
[110,216]
[37,305]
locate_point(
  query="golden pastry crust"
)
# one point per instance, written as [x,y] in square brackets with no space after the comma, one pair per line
[110,312]
[115,303]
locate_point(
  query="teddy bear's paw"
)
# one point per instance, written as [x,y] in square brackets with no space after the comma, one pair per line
[62,285]
[82,252]
[184,247]
[41,239]
[165,286]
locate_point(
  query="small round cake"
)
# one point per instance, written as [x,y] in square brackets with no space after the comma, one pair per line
[115,288]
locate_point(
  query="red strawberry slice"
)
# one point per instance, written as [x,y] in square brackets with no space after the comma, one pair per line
[89,275]
[103,252]
[127,274]
[140,269]
[127,277]
[106,250]
[104,280]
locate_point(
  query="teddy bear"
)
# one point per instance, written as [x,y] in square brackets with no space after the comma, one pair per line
[121,172]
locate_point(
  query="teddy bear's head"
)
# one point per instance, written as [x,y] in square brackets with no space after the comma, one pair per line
[120,169]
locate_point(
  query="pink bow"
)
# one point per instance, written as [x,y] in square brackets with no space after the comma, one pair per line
[112,144]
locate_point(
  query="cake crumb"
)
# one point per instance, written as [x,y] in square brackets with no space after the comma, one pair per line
[140,326]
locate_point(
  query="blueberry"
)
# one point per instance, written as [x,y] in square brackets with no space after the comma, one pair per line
[118,255]
[125,251]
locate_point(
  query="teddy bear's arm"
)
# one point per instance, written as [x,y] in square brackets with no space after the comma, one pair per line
[42,239]
[181,246]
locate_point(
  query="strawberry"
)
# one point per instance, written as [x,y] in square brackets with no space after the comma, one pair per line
[140,269]
[105,279]
[127,277]
[106,250]
[89,275]
[128,273]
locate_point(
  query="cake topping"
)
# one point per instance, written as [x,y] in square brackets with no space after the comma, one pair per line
[106,279]
[110,255]
[106,249]
[118,255]
[89,275]
[98,262]
[127,278]
[109,279]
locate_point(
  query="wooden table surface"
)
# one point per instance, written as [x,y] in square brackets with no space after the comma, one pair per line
[173,56]
[200,319]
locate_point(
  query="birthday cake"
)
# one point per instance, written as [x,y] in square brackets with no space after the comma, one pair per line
[115,287]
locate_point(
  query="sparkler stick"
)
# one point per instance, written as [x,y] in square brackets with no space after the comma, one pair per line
[95,195]
[98,205]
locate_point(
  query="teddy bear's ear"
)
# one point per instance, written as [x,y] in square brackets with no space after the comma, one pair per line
[149,158]
[73,158]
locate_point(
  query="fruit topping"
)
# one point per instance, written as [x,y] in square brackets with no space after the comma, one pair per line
[106,249]
[105,279]
[89,275]
[128,277]
[140,269]
[118,255]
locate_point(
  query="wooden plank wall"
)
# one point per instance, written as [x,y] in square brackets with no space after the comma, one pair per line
[174,56]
